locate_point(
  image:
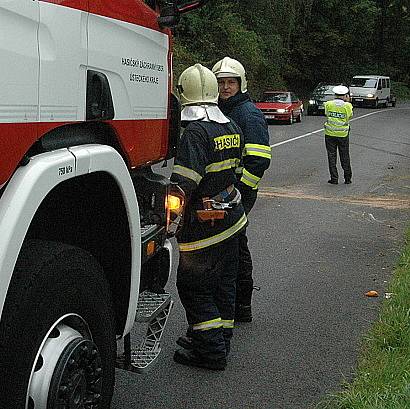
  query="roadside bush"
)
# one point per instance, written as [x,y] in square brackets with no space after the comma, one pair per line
[401,91]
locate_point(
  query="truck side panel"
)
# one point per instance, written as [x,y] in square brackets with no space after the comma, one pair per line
[47,49]
[63,63]
[19,71]
[134,59]
[132,11]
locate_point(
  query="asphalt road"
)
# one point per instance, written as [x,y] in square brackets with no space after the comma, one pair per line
[317,249]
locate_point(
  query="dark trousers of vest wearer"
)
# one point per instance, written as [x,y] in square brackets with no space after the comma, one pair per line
[206,283]
[244,283]
[334,143]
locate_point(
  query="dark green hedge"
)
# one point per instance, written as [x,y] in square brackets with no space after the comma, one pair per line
[295,44]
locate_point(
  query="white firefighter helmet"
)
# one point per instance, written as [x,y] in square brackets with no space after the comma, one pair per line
[340,90]
[230,68]
[197,85]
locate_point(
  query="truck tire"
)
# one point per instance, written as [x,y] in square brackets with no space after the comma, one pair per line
[57,331]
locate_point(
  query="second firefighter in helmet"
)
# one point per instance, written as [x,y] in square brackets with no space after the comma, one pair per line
[208,154]
[235,102]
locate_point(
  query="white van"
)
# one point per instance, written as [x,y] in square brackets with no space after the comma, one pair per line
[371,90]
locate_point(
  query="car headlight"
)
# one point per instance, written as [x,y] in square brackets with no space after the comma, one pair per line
[175,206]
[312,101]
[282,111]
[370,95]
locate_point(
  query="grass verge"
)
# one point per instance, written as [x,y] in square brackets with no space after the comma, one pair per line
[382,380]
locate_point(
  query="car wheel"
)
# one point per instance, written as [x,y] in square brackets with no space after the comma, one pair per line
[57,333]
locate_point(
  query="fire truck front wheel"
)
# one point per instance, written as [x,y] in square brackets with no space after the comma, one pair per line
[57,331]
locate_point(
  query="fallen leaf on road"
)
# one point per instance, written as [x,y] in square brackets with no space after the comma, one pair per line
[372,293]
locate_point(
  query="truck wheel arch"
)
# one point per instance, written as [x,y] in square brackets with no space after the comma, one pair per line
[25,193]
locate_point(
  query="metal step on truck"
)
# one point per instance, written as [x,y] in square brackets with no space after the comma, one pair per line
[86,108]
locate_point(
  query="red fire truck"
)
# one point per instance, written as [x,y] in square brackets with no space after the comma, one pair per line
[85,109]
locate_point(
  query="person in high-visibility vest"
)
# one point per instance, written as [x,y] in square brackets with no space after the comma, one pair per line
[338,113]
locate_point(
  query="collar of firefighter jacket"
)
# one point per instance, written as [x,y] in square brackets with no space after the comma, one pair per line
[229,104]
[209,113]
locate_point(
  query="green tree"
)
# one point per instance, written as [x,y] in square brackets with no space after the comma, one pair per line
[295,44]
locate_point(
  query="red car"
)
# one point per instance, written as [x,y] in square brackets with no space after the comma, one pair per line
[281,106]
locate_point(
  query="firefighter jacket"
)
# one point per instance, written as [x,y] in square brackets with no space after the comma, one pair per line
[208,154]
[257,152]
[338,114]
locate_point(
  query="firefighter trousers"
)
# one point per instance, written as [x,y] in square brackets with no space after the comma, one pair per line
[206,283]
[244,283]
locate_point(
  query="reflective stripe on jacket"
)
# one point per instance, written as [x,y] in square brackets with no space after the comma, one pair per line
[214,239]
[207,157]
[338,114]
[257,153]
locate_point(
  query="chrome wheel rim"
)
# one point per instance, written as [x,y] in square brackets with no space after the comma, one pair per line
[67,371]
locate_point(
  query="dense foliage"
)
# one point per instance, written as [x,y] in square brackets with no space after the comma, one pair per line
[295,44]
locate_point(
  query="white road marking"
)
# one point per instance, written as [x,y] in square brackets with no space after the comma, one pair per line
[321,130]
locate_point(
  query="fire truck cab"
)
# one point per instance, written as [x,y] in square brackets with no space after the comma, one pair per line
[86,107]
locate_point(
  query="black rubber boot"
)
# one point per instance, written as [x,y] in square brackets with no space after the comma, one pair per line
[185,342]
[191,358]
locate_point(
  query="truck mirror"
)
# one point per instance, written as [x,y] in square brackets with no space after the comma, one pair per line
[175,126]
[192,5]
[171,11]
[169,16]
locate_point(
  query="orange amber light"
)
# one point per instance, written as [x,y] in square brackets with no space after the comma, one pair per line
[150,248]
[174,202]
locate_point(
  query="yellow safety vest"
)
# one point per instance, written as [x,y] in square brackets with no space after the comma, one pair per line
[338,113]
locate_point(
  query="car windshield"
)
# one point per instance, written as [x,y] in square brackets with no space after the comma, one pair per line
[364,82]
[276,97]
[324,89]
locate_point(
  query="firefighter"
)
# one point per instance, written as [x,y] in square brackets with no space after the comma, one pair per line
[338,114]
[235,102]
[209,152]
